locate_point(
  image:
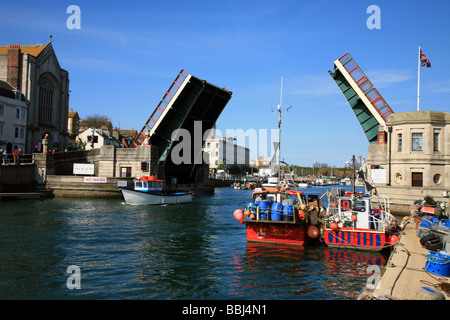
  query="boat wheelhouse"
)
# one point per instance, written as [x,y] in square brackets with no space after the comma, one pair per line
[361,222]
[148,184]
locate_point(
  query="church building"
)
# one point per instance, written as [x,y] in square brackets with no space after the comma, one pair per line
[33,71]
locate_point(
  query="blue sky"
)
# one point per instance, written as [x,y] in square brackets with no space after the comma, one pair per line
[126,55]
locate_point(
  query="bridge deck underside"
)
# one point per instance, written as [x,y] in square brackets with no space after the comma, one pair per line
[364,116]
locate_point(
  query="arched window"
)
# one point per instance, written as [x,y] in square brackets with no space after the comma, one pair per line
[47,86]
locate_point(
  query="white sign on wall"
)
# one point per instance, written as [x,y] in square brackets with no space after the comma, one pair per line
[94,180]
[83,168]
[378,175]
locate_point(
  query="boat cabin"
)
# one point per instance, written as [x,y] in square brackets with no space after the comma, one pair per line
[367,216]
[149,184]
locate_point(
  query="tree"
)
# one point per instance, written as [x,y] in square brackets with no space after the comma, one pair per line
[95,121]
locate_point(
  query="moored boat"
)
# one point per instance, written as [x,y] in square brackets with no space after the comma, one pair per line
[278,214]
[281,217]
[357,220]
[148,190]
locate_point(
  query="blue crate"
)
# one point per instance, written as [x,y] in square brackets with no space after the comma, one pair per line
[438,264]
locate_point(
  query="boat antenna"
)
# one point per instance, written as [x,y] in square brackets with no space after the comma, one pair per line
[279,117]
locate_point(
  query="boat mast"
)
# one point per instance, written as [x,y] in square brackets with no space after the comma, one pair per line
[354,182]
[279,117]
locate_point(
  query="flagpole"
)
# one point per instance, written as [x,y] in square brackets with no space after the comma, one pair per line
[418,83]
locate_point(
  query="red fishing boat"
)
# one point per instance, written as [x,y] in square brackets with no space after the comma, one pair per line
[281,217]
[277,214]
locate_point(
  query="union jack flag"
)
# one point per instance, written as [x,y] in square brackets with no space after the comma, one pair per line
[424,60]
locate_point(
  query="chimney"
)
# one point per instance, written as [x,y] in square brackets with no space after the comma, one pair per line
[13,77]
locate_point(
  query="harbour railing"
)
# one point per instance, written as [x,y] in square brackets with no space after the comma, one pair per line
[8,159]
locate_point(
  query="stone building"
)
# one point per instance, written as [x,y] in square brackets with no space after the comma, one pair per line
[223,150]
[414,157]
[100,138]
[34,71]
[13,119]
[73,126]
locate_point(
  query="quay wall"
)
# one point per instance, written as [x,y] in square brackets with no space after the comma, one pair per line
[17,178]
[76,187]
[109,161]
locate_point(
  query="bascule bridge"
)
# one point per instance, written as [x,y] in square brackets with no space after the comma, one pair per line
[192,105]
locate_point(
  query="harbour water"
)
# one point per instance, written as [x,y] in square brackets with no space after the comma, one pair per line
[194,251]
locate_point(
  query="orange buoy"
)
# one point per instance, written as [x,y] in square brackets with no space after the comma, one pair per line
[301,214]
[239,215]
[392,239]
[354,217]
[252,216]
[334,205]
[313,232]
[333,226]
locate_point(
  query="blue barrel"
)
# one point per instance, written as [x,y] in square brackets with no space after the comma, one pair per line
[277,208]
[277,212]
[252,207]
[264,209]
[445,223]
[288,210]
[264,206]
[288,213]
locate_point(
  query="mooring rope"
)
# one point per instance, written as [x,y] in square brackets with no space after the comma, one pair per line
[441,285]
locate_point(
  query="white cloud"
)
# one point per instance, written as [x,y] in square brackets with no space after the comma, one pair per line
[386,78]
[442,90]
[316,85]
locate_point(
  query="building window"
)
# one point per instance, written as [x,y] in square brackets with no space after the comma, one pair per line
[417,141]
[417,179]
[2,109]
[19,132]
[1,129]
[125,172]
[45,100]
[399,142]
[436,141]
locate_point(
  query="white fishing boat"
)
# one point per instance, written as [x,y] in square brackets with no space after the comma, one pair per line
[271,183]
[148,190]
[361,221]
